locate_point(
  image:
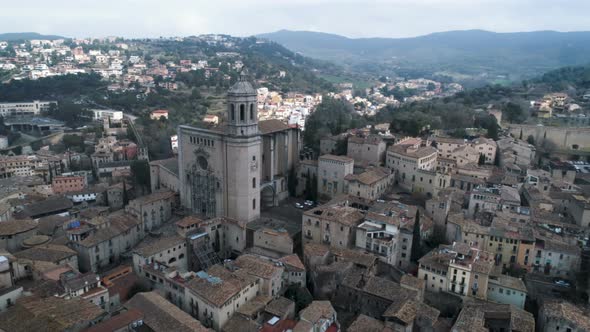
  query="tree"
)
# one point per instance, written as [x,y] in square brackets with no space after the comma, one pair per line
[530,140]
[308,194]
[74,142]
[415,254]
[299,295]
[125,195]
[482,159]
[438,236]
[313,190]
[292,182]
[141,174]
[36,145]
[331,117]
[18,150]
[497,158]
[341,147]
[514,113]
[137,287]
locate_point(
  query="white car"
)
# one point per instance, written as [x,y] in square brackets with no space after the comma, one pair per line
[298,205]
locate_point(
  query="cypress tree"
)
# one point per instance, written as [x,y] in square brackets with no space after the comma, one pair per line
[125,198]
[415,254]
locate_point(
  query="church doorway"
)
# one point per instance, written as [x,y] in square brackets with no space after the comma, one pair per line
[267,196]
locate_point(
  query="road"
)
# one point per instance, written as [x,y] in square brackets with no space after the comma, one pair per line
[285,211]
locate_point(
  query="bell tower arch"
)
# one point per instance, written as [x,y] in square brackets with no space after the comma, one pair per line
[242,108]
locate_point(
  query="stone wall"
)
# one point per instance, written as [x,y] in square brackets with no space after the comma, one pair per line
[562,137]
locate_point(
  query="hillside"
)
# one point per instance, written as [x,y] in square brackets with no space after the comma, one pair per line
[11,36]
[511,56]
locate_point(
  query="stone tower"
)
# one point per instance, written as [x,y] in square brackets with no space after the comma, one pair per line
[242,108]
[243,152]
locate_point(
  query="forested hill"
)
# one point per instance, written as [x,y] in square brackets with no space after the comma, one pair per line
[13,36]
[263,59]
[577,78]
[471,52]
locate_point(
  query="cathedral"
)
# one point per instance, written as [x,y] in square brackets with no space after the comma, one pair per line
[240,166]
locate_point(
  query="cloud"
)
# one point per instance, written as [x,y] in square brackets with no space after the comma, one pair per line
[354,18]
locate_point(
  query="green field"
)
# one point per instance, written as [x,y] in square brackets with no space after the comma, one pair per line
[356,83]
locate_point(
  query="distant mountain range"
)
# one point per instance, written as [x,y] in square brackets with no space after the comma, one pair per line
[470,52]
[11,36]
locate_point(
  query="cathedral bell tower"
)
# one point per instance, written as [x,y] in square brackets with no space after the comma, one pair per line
[242,108]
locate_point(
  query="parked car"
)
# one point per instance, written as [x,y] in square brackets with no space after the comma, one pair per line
[561,282]
[299,206]
[309,203]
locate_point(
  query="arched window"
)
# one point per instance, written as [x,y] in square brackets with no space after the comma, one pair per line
[233,112]
[251,111]
[172,260]
[242,112]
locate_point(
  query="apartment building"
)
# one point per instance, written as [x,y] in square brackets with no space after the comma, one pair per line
[486,147]
[100,245]
[463,151]
[66,184]
[556,258]
[414,166]
[508,290]
[107,114]
[499,198]
[509,242]
[386,238]
[331,224]
[456,268]
[25,108]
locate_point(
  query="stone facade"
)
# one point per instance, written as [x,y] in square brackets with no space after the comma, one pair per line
[221,168]
[370,184]
[331,173]
[164,175]
[152,210]
[370,149]
[562,137]
[66,184]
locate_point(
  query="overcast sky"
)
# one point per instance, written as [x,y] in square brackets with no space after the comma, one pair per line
[352,18]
